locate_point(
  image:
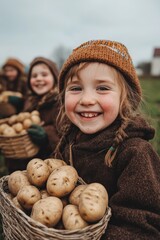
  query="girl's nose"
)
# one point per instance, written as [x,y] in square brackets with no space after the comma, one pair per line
[39,77]
[87,99]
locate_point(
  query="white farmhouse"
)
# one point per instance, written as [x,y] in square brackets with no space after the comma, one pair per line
[155,65]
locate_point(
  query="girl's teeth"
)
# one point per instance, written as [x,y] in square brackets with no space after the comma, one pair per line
[89,114]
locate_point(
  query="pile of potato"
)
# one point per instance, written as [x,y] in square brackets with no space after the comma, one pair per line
[49,191]
[5,94]
[19,123]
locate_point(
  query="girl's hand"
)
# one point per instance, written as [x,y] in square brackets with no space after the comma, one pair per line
[37,134]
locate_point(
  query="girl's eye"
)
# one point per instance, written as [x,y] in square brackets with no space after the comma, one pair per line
[33,75]
[75,88]
[44,74]
[102,88]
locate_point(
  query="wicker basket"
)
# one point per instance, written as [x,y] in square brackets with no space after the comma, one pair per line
[18,226]
[18,146]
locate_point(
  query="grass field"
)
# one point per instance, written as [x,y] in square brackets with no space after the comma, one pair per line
[151,108]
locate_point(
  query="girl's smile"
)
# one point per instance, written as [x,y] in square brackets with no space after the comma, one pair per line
[89,114]
[42,79]
[92,100]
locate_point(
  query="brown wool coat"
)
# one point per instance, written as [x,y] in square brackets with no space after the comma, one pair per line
[48,108]
[133,181]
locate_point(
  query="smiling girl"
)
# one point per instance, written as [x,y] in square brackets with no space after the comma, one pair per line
[107,139]
[92,100]
[42,82]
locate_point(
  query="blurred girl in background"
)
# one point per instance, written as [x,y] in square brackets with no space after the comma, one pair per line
[43,97]
[13,87]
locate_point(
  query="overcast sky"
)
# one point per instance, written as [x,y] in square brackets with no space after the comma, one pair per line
[31,28]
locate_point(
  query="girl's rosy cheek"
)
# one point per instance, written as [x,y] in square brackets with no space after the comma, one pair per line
[69,105]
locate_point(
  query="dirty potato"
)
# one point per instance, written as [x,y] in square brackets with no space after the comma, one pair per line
[37,172]
[62,181]
[47,211]
[75,194]
[54,163]
[71,218]
[9,131]
[93,202]
[17,180]
[28,196]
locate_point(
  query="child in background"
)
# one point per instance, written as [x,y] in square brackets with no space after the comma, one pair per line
[107,140]
[42,82]
[13,86]
[43,97]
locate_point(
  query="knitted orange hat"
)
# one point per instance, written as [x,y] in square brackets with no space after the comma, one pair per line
[103,51]
[14,63]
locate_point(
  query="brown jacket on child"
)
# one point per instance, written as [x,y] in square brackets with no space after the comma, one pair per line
[48,108]
[127,187]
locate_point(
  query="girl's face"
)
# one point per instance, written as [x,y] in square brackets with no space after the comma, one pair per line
[11,73]
[42,79]
[92,101]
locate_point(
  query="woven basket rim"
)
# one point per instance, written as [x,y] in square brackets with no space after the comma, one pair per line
[32,224]
[18,146]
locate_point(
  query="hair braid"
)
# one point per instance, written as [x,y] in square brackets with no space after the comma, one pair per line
[120,136]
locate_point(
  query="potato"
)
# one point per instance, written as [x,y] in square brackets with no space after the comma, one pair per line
[9,131]
[35,112]
[47,211]
[16,181]
[27,123]
[71,218]
[35,119]
[28,196]
[3,126]
[54,163]
[93,202]
[12,120]
[23,131]
[20,117]
[37,172]
[75,194]
[18,127]
[62,181]
[27,115]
